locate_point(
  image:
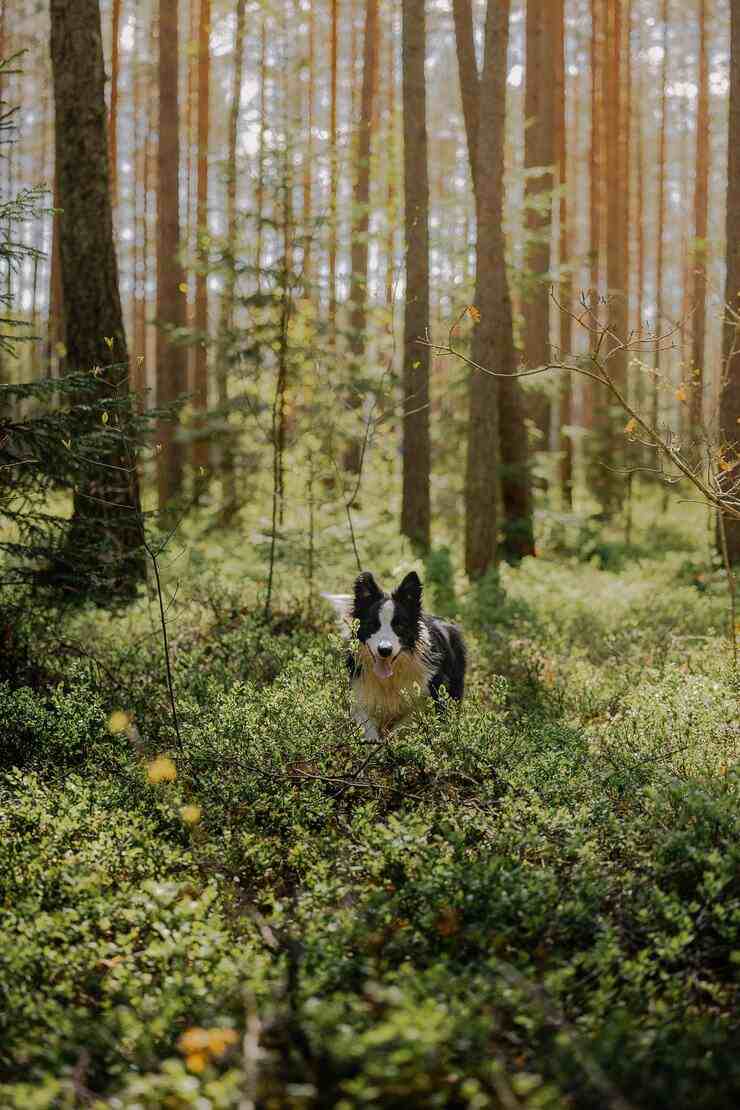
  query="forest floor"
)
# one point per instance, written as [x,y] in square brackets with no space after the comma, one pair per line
[532,903]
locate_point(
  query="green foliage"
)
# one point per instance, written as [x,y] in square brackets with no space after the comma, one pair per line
[532,901]
[439,578]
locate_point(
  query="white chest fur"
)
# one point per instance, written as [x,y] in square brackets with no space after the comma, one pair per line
[386,701]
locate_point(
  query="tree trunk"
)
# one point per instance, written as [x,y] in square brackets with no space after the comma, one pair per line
[308,229]
[415,510]
[493,337]
[538,153]
[200,362]
[730,393]
[609,484]
[593,396]
[701,213]
[391,214]
[659,310]
[333,173]
[105,531]
[171,362]
[360,229]
[226,326]
[113,121]
[498,405]
[565,290]
[260,191]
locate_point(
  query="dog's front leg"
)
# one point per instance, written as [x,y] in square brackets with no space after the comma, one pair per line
[369,728]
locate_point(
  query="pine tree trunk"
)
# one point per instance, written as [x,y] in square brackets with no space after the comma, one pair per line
[226,325]
[415,507]
[361,205]
[730,393]
[333,172]
[565,291]
[360,229]
[493,336]
[609,484]
[498,404]
[200,362]
[309,151]
[171,362]
[701,214]
[103,545]
[659,279]
[114,83]
[261,155]
[538,153]
[391,214]
[594,397]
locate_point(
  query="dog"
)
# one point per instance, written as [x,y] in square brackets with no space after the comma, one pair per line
[403,653]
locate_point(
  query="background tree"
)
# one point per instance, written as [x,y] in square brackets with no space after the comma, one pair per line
[171,361]
[730,391]
[539,157]
[200,361]
[415,498]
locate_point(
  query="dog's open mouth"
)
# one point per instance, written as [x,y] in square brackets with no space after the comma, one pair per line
[384,667]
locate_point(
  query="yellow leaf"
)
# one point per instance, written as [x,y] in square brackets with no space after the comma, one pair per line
[104,417]
[190,814]
[183,287]
[196,1062]
[192,1040]
[474,313]
[67,443]
[108,341]
[220,1039]
[97,371]
[681,393]
[161,769]
[118,721]
[202,471]
[630,426]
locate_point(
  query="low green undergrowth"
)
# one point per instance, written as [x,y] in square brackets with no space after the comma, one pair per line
[533,902]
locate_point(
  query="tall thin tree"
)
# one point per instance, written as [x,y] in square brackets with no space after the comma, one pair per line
[498,403]
[226,325]
[539,157]
[415,505]
[730,391]
[565,282]
[701,221]
[171,364]
[200,361]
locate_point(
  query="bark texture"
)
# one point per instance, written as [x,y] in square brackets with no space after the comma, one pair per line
[730,396]
[200,361]
[539,156]
[171,361]
[415,510]
[106,509]
[226,326]
[701,215]
[493,338]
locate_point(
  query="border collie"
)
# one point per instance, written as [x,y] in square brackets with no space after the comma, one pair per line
[403,652]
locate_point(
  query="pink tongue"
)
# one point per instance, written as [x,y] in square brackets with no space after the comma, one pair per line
[383,668]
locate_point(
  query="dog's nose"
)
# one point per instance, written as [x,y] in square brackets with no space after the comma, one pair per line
[384,649]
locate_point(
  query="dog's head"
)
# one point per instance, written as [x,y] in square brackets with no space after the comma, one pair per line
[388,623]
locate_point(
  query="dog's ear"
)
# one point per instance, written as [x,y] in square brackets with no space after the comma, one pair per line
[367,591]
[409,592]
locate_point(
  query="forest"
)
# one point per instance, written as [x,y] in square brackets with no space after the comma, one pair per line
[302,301]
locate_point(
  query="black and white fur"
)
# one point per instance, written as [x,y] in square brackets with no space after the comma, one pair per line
[403,653]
